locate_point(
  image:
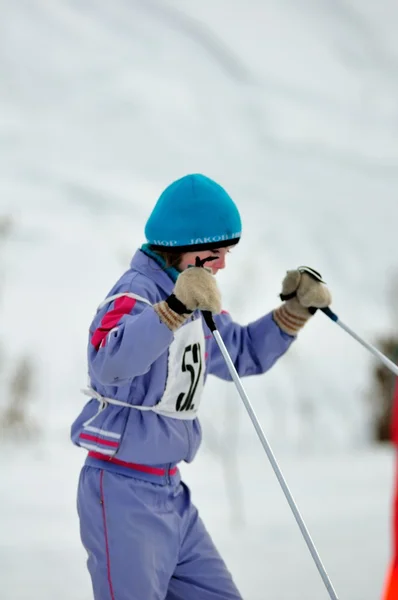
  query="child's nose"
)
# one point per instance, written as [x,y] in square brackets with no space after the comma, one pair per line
[220,262]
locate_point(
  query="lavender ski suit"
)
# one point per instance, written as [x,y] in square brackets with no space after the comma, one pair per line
[143,536]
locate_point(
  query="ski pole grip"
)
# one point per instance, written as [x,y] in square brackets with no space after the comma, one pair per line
[329,313]
[208,317]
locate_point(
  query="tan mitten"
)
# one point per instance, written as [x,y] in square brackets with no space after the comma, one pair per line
[195,289]
[303,294]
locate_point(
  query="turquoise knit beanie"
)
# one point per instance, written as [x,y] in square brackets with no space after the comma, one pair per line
[193,213]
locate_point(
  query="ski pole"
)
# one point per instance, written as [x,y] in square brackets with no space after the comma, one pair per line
[236,379]
[388,363]
[333,317]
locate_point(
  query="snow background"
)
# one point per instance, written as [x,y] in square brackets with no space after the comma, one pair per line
[293,107]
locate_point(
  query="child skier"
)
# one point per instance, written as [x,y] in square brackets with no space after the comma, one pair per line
[149,353]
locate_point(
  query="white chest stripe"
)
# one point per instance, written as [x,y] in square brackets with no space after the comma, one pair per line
[128,294]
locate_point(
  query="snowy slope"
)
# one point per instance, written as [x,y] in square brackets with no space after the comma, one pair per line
[292,106]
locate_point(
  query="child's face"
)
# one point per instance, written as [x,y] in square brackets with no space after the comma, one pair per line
[215,265]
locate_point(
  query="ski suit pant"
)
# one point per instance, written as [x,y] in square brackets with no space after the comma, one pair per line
[146,541]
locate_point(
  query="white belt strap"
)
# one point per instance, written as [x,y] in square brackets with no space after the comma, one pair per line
[104,401]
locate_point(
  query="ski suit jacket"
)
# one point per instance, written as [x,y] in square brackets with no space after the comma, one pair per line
[145,382]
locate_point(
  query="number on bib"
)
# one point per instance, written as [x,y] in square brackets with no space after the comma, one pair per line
[191,363]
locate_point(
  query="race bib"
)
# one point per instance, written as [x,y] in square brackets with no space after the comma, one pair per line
[185,378]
